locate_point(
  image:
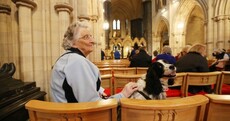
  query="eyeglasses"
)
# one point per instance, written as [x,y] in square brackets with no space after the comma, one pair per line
[87,37]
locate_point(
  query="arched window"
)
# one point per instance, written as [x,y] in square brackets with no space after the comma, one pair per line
[118,25]
[116,28]
[114,25]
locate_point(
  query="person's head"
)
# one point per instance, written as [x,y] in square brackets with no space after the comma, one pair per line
[78,35]
[185,49]
[143,48]
[155,52]
[167,50]
[199,48]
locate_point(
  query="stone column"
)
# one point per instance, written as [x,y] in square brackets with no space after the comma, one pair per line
[25,8]
[147,21]
[95,55]
[4,48]
[220,32]
[227,32]
[63,10]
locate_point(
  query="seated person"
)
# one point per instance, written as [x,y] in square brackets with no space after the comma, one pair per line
[166,55]
[194,61]
[221,59]
[141,59]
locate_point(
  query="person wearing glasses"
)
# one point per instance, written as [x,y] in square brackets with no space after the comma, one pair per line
[75,78]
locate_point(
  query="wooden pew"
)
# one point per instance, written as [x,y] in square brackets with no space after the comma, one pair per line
[225,83]
[203,79]
[107,84]
[179,82]
[181,109]
[124,71]
[142,70]
[218,108]
[104,110]
[120,80]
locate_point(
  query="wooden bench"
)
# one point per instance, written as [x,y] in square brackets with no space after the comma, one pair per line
[225,83]
[104,110]
[181,109]
[218,108]
[203,79]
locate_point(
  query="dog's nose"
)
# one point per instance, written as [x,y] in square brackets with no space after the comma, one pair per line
[172,67]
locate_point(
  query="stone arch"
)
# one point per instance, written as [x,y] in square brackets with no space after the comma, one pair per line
[188,11]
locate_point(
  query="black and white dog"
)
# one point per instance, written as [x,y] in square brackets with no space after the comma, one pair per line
[152,86]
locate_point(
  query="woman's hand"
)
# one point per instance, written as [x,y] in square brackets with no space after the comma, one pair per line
[129,89]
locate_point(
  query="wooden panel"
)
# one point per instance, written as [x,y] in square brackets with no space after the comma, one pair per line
[141,70]
[107,82]
[120,80]
[105,71]
[201,79]
[104,110]
[225,79]
[218,108]
[181,109]
[124,70]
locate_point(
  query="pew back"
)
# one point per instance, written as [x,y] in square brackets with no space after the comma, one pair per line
[218,108]
[225,83]
[120,80]
[202,79]
[107,83]
[104,110]
[180,109]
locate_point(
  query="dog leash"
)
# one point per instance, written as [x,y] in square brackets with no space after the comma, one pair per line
[144,95]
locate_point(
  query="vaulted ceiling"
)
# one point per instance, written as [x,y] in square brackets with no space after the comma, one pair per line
[126,9]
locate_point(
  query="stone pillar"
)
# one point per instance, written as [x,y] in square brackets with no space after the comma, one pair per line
[95,55]
[63,10]
[25,8]
[4,46]
[220,32]
[227,32]
[147,23]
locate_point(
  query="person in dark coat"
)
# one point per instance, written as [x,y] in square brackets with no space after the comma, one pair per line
[194,61]
[142,59]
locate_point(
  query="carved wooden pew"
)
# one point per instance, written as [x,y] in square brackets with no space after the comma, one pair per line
[218,108]
[104,110]
[181,109]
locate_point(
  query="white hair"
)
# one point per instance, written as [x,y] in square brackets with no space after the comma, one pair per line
[73,33]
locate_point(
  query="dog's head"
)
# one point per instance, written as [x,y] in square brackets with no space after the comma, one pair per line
[155,72]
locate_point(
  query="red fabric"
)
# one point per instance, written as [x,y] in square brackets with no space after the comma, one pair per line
[199,93]
[154,60]
[226,89]
[107,92]
[118,90]
[173,93]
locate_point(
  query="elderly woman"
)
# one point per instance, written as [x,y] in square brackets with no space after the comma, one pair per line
[194,61]
[74,77]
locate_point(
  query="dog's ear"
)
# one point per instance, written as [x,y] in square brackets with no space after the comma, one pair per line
[153,83]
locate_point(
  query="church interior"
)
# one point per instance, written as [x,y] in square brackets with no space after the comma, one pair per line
[31,31]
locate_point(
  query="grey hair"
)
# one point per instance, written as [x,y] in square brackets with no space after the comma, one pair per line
[73,33]
[166,49]
[199,48]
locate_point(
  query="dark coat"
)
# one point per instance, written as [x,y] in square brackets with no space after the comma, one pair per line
[192,62]
[142,59]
